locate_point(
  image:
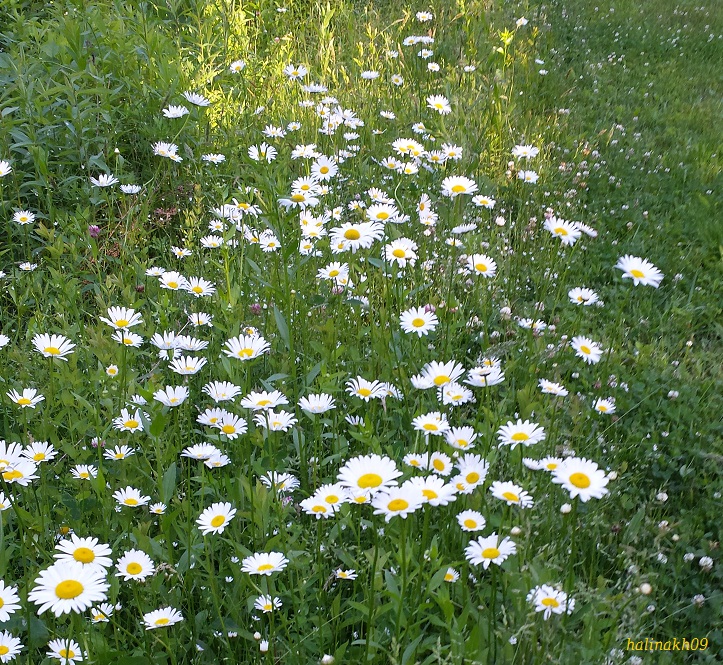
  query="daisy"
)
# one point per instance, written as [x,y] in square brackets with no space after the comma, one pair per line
[295,72]
[127,338]
[130,497]
[130,189]
[196,99]
[215,518]
[231,425]
[317,507]
[582,296]
[439,103]
[237,66]
[101,613]
[371,473]
[320,403]
[23,217]
[172,395]
[483,201]
[472,469]
[434,490]
[451,575]
[66,651]
[53,346]
[639,270]
[351,236]
[528,176]
[549,600]
[175,111]
[84,471]
[461,438]
[397,501]
[471,520]
[246,347]
[585,348]
[135,565]
[324,168]
[263,400]
[606,406]
[173,281]
[567,232]
[434,423]
[127,422]
[69,586]
[5,503]
[221,391]
[10,647]
[525,151]
[440,463]
[104,180]
[364,389]
[401,252]
[275,421]
[28,398]
[166,616]
[84,550]
[267,604]
[187,365]
[263,152]
[9,601]
[550,388]
[214,158]
[119,453]
[581,477]
[20,472]
[158,508]
[200,287]
[281,482]
[455,394]
[341,574]
[525,433]
[10,454]
[200,319]
[264,563]
[453,186]
[489,550]
[436,374]
[418,320]
[163,149]
[512,494]
[5,168]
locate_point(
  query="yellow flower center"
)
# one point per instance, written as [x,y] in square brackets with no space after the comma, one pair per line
[480,267]
[121,323]
[127,341]
[561,231]
[382,215]
[352,234]
[3,650]
[162,621]
[2,602]
[520,436]
[268,607]
[39,457]
[458,189]
[66,653]
[172,285]
[84,475]
[490,553]
[585,349]
[197,289]
[449,577]
[418,322]
[298,198]
[550,602]
[580,480]
[52,350]
[134,568]
[470,524]
[472,477]
[441,380]
[68,589]
[364,392]
[218,520]
[438,464]
[397,505]
[245,353]
[324,170]
[12,475]
[264,567]
[130,501]
[319,509]
[131,424]
[637,273]
[510,496]
[332,498]
[84,555]
[602,407]
[334,273]
[430,494]
[369,480]
[264,402]
[228,429]
[24,401]
[430,427]
[399,253]
[551,466]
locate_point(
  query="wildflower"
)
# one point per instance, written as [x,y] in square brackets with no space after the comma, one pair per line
[9,601]
[453,186]
[135,565]
[119,453]
[582,296]
[439,103]
[175,112]
[397,501]
[489,550]
[342,574]
[640,271]
[606,406]
[351,236]
[586,349]
[104,180]
[481,264]
[371,473]
[511,494]
[471,520]
[461,438]
[455,394]
[20,472]
[263,400]
[364,389]
[706,563]
[401,252]
[528,176]
[263,152]
[440,463]
[28,398]
[320,403]
[567,232]
[196,99]
[127,422]
[451,575]
[157,508]
[246,347]
[418,320]
[112,370]
[127,338]
[87,551]
[549,600]
[130,189]
[53,346]
[525,151]
[130,497]
[526,433]
[551,388]
[84,471]
[276,421]
[68,586]
[231,425]
[215,518]
[581,477]
[5,168]
[436,374]
[264,563]
[163,618]
[281,482]
[5,503]
[267,604]
[23,217]
[434,423]
[187,365]
[171,395]
[173,281]
[101,613]
[66,651]
[221,391]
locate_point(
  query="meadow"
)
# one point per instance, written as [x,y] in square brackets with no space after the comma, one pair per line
[360,333]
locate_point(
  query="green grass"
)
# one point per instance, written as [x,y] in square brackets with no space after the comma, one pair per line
[626,120]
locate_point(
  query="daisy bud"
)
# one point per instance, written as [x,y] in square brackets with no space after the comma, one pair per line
[646,589]
[326,659]
[612,475]
[565,508]
[662,497]
[500,221]
[264,646]
[515,531]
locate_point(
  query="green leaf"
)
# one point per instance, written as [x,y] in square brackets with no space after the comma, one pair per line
[168,485]
[283,327]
